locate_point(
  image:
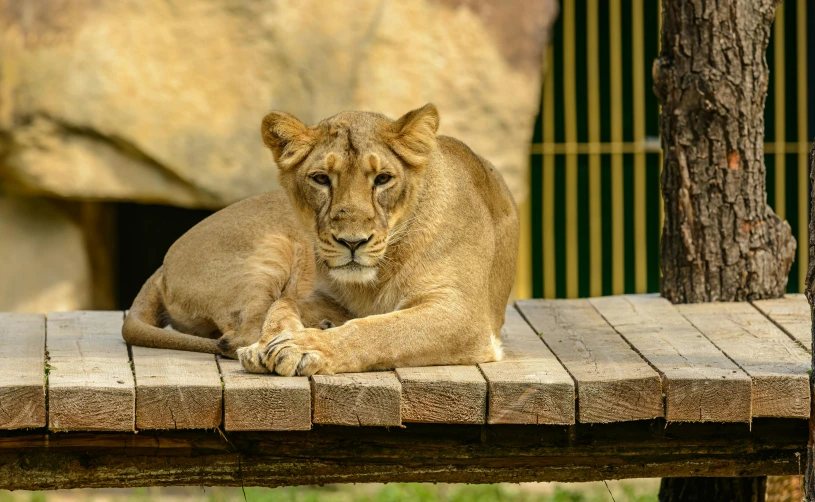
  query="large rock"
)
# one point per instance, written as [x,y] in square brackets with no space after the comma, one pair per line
[158,101]
[43,258]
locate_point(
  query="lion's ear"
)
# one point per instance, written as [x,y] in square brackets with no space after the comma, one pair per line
[413,136]
[288,138]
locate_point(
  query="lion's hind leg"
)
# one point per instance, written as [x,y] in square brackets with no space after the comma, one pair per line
[279,268]
[247,330]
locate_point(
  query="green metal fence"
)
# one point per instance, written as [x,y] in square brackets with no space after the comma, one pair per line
[593,221]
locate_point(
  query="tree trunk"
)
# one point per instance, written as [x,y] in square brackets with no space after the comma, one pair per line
[712,489]
[721,241]
[809,479]
[784,489]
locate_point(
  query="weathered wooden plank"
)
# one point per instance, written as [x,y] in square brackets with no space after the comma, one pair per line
[357,399]
[176,389]
[416,453]
[255,402]
[791,313]
[22,378]
[701,384]
[614,384]
[443,394]
[90,381]
[529,385]
[776,363]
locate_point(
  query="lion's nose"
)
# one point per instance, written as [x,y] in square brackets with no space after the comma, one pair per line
[351,243]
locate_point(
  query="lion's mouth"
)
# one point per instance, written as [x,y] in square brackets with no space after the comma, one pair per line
[352,266]
[356,262]
[353,272]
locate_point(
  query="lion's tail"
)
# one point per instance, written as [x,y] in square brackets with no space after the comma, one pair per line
[141,326]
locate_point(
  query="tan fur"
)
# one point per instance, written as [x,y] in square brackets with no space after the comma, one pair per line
[434,255]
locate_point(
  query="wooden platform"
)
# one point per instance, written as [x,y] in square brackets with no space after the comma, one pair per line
[636,365]
[602,360]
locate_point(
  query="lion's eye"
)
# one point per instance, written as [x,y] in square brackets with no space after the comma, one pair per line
[321,179]
[381,179]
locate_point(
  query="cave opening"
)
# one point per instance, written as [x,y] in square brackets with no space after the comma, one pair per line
[142,235]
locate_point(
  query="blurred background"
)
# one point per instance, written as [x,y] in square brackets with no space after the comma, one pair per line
[123,124]
[631,490]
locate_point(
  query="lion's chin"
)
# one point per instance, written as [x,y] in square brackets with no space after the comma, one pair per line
[353,273]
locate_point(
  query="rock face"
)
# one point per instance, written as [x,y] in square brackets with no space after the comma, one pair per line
[158,101]
[43,258]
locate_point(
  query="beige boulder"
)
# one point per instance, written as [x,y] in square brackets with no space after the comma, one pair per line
[44,263]
[160,101]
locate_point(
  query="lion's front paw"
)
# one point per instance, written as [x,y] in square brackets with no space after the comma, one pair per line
[251,359]
[296,353]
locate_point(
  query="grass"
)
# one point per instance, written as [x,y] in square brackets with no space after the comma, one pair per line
[623,491]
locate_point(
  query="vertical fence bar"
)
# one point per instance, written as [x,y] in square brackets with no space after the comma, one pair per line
[780,116]
[570,133]
[523,274]
[638,89]
[595,174]
[803,142]
[616,102]
[548,220]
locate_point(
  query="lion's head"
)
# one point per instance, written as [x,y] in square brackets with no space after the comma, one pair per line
[352,178]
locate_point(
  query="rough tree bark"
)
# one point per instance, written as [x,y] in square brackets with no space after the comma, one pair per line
[785,489]
[721,241]
[809,479]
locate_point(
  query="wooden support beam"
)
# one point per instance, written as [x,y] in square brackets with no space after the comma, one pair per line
[701,384]
[357,399]
[176,389]
[529,385]
[256,402]
[22,378]
[443,394]
[777,364]
[791,314]
[90,381]
[614,383]
[36,460]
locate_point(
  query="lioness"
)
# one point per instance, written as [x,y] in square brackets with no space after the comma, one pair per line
[389,246]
